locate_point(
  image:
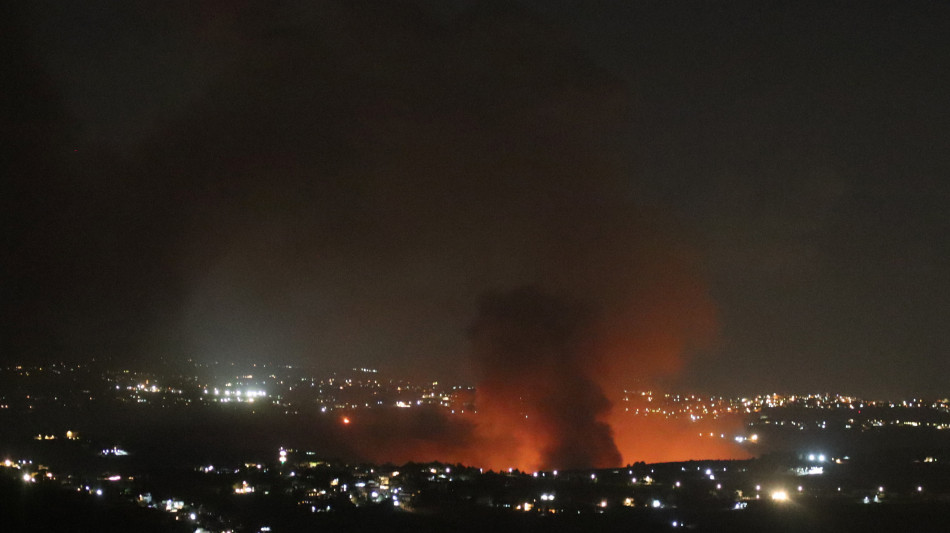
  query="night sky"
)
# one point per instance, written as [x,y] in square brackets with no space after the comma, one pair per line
[738,197]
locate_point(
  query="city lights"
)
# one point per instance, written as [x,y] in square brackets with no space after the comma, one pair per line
[320,486]
[779,495]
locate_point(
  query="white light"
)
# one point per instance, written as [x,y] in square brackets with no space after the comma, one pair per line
[821,458]
[655,504]
[27,478]
[98,492]
[780,495]
[193,517]
[811,457]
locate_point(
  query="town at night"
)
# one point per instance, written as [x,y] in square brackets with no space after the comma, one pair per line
[474,265]
[219,448]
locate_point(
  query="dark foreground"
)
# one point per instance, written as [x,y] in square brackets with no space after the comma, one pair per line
[40,508]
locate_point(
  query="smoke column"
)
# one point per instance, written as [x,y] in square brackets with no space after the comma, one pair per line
[534,354]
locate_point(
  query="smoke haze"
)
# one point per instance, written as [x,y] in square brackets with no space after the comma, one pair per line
[341,183]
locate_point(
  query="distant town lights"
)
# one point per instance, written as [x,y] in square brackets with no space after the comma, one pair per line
[780,495]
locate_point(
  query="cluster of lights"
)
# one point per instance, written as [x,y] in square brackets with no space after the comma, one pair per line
[115,450]
[779,495]
[229,395]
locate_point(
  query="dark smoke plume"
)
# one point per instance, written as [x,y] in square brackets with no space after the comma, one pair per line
[338,185]
[534,354]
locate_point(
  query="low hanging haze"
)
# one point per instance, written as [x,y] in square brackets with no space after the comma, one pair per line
[726,197]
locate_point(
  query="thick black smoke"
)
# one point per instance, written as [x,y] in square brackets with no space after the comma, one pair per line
[536,355]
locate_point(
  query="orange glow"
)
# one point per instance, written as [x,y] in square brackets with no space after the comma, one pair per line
[550,367]
[657,440]
[346,420]
[501,440]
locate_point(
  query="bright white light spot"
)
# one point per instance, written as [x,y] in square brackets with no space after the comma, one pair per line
[655,504]
[780,495]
